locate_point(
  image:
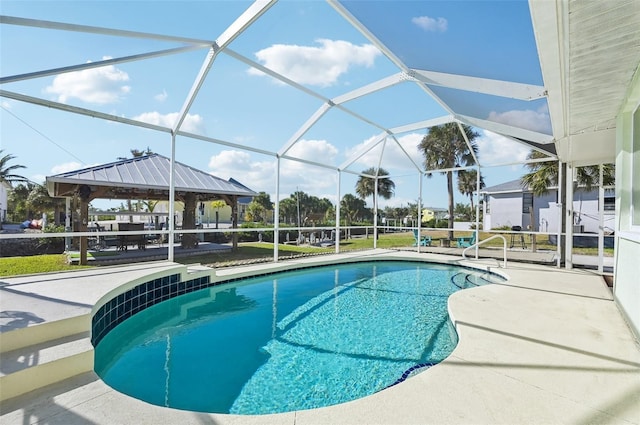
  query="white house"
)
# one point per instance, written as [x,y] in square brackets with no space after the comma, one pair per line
[512,204]
[5,187]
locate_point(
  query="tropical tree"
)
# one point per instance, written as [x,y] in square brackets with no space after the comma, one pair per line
[7,171]
[543,175]
[40,202]
[467,183]
[464,211]
[137,153]
[366,186]
[301,207]
[445,147]
[217,204]
[258,207]
[288,210]
[18,205]
[351,208]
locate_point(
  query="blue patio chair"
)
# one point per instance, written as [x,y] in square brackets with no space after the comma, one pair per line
[465,242]
[423,241]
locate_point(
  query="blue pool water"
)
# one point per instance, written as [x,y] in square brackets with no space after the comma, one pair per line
[286,341]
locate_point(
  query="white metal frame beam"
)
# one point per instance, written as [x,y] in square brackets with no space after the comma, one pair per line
[97,64]
[12,20]
[81,111]
[481,85]
[421,125]
[506,130]
[381,84]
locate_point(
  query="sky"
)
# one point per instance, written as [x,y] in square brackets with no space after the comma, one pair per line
[240,106]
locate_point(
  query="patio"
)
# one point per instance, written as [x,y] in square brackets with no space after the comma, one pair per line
[573,360]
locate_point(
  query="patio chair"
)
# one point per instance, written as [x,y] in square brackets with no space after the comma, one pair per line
[423,241]
[465,242]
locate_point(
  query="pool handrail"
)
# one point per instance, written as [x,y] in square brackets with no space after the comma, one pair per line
[477,244]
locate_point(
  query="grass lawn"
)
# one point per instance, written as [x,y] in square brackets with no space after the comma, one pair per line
[12,266]
[263,251]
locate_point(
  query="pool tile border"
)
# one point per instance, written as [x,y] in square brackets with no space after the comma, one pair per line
[140,297]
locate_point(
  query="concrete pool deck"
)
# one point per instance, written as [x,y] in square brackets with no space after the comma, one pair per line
[547,346]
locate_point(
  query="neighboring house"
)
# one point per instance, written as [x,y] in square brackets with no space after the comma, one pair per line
[244,202]
[429,213]
[511,204]
[5,187]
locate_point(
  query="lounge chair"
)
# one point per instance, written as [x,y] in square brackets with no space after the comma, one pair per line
[464,242]
[423,241]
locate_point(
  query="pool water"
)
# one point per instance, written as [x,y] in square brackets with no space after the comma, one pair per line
[287,341]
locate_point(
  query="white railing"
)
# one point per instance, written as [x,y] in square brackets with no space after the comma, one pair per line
[477,244]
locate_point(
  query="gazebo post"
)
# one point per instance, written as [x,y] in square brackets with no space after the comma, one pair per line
[84,217]
[189,240]
[234,221]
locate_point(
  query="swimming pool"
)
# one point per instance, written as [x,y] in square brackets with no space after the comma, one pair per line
[287,341]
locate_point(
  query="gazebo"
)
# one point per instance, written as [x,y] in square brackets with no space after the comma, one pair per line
[147,177]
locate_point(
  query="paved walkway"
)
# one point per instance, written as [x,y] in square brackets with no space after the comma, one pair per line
[547,347]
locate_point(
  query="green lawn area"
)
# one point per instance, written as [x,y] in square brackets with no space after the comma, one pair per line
[263,251]
[12,266]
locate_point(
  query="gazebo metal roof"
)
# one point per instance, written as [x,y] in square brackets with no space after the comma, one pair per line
[145,177]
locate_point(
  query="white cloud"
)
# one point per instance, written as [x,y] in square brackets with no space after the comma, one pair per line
[261,175]
[496,149]
[314,150]
[64,168]
[256,175]
[430,24]
[38,178]
[6,104]
[319,66]
[191,124]
[528,119]
[67,166]
[161,97]
[102,85]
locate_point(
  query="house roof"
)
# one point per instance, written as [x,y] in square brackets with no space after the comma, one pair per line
[518,186]
[244,199]
[506,187]
[145,176]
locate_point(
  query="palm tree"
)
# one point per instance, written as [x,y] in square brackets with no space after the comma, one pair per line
[445,147]
[6,171]
[467,182]
[366,186]
[543,175]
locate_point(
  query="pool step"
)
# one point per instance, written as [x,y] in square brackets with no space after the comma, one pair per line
[197,268]
[44,363]
[493,262]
